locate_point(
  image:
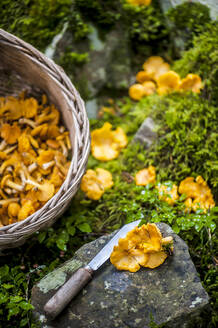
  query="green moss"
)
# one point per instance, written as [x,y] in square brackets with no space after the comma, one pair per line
[72,58]
[145,23]
[102,13]
[202,59]
[35,21]
[188,20]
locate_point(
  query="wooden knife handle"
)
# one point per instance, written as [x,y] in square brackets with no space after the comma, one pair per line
[68,291]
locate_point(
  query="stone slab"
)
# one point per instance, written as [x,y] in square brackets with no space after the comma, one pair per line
[146,133]
[171,294]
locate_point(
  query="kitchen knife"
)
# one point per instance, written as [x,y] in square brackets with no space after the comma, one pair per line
[83,275]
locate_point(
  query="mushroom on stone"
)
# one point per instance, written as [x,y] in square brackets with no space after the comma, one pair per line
[141,246]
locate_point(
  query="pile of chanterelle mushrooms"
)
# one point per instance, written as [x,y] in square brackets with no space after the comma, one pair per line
[34,156]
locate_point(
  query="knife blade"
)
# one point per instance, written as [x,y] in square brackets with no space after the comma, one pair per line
[83,275]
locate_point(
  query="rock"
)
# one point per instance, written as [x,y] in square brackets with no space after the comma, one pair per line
[109,63]
[212,4]
[146,133]
[171,294]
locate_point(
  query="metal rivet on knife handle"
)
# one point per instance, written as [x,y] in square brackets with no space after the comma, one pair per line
[67,292]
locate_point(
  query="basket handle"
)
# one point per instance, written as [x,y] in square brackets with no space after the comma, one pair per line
[67,292]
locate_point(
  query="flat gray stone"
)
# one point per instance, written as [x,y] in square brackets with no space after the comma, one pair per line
[146,133]
[170,294]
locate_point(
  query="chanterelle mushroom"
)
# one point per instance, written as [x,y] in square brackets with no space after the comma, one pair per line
[106,144]
[7,182]
[142,246]
[44,191]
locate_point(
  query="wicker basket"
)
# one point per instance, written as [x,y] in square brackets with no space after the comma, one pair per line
[22,67]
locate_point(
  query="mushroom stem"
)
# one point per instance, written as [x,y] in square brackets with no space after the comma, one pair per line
[32,167]
[33,183]
[9,169]
[47,165]
[68,142]
[27,121]
[7,201]
[62,129]
[63,169]
[8,191]
[167,240]
[65,151]
[3,144]
[22,176]
[9,150]
[14,185]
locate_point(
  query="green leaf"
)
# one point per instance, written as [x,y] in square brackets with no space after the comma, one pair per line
[84,227]
[41,236]
[3,298]
[7,286]
[71,230]
[4,270]
[176,229]
[15,299]
[25,306]
[13,311]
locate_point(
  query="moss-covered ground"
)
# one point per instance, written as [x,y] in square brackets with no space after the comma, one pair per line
[186,146]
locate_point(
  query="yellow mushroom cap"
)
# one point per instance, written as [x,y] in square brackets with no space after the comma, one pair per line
[167,193]
[26,210]
[23,143]
[13,209]
[46,191]
[136,91]
[168,82]
[145,176]
[155,67]
[94,183]
[141,246]
[45,157]
[149,88]
[153,239]
[139,2]
[10,133]
[191,82]
[126,257]
[106,144]
[155,259]
[142,76]
[29,107]
[12,108]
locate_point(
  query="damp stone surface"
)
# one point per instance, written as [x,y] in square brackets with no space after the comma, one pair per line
[171,294]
